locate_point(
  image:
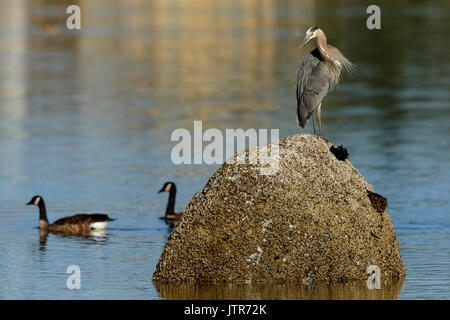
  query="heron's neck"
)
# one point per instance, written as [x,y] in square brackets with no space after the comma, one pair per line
[321,43]
[331,55]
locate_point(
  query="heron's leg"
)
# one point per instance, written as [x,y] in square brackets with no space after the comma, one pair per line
[318,118]
[314,121]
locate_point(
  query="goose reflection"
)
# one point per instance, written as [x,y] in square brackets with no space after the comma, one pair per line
[99,236]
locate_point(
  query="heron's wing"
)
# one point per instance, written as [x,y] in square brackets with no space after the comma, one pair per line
[304,74]
[314,81]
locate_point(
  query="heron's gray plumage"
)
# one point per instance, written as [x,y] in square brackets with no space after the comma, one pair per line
[318,75]
[314,82]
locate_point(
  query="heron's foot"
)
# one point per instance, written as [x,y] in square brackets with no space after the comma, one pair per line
[319,136]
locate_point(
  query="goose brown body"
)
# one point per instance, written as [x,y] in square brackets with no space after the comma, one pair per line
[79,223]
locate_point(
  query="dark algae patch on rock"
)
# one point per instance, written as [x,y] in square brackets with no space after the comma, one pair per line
[340,152]
[311,221]
[379,203]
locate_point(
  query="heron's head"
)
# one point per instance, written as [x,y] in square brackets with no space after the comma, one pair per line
[311,33]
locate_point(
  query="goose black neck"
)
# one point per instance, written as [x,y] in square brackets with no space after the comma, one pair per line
[42,210]
[171,204]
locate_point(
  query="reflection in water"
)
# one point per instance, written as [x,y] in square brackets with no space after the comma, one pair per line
[43,234]
[95,235]
[287,291]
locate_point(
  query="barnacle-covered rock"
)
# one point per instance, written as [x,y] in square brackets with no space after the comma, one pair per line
[310,221]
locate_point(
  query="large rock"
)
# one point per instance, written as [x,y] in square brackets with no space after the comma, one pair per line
[312,221]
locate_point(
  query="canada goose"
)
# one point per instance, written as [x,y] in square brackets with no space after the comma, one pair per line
[170,215]
[77,224]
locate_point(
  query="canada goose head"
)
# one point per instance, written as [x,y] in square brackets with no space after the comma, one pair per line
[168,187]
[34,201]
[39,201]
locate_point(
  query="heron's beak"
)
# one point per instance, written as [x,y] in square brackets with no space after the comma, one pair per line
[305,41]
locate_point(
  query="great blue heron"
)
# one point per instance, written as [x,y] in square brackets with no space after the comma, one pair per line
[317,76]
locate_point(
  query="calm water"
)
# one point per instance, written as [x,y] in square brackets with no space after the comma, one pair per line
[86,118]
